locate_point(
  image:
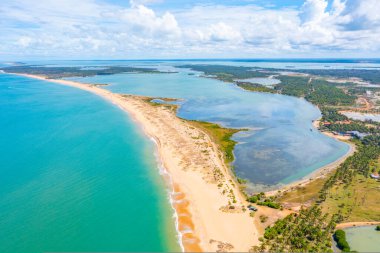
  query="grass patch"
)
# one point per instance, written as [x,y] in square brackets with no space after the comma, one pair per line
[221,136]
[358,201]
[255,87]
[304,194]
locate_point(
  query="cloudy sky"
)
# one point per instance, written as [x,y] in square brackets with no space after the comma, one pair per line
[140,29]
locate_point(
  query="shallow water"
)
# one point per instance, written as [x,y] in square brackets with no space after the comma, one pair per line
[76,174]
[363,239]
[281,146]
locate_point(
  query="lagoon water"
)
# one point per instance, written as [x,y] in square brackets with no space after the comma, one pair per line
[281,145]
[363,239]
[76,174]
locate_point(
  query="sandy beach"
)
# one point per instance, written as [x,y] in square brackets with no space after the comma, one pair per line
[202,187]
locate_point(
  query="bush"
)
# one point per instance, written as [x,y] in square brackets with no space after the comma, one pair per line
[378,228]
[261,200]
[253,199]
[340,238]
[270,204]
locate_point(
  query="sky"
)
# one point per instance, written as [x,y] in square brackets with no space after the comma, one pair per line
[180,29]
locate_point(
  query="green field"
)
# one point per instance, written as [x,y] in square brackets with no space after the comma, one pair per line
[357,201]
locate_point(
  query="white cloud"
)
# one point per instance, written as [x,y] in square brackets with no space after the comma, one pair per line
[223,32]
[24,41]
[313,11]
[144,20]
[94,28]
[362,14]
[134,3]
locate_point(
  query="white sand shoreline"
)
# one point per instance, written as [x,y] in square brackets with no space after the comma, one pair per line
[165,174]
[196,196]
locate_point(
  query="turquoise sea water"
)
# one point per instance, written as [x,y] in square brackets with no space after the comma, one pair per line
[363,239]
[281,146]
[76,175]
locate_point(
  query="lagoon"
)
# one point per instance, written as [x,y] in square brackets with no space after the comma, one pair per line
[280,147]
[363,239]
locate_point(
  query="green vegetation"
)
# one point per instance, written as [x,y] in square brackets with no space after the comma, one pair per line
[317,91]
[358,90]
[353,126]
[297,86]
[303,194]
[332,115]
[308,231]
[329,95]
[221,136]
[255,87]
[377,228]
[371,140]
[64,72]
[356,201]
[341,242]
[336,119]
[371,75]
[349,190]
[359,163]
[261,200]
[226,73]
[269,203]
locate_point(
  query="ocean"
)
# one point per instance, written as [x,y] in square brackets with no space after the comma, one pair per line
[76,174]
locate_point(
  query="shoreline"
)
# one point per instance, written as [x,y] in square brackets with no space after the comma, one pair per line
[202,188]
[170,191]
[321,171]
[356,224]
